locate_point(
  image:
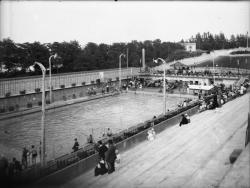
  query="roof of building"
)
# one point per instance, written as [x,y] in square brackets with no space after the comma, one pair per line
[201,87]
[178,64]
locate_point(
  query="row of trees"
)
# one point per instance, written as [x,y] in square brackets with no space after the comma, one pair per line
[16,58]
[208,41]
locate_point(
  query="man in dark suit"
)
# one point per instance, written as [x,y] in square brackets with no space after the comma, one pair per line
[110,157]
[102,149]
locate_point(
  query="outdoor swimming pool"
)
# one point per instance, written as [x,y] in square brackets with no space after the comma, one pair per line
[78,121]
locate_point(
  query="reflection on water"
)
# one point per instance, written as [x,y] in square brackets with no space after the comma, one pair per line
[78,121]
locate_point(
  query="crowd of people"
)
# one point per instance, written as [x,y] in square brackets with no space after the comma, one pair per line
[90,139]
[221,96]
[108,154]
[29,158]
[108,158]
[134,83]
[9,168]
[102,88]
[91,91]
[194,72]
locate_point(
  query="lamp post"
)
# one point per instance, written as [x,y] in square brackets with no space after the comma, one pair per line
[213,69]
[50,85]
[246,66]
[43,114]
[127,58]
[238,62]
[127,63]
[164,83]
[120,70]
[218,71]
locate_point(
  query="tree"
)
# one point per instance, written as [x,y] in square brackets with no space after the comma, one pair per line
[198,41]
[68,53]
[12,56]
[135,53]
[35,52]
[232,41]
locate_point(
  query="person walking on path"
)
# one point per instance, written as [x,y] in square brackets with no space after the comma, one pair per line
[111,157]
[33,154]
[76,145]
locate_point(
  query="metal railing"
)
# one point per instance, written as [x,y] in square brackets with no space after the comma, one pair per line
[14,86]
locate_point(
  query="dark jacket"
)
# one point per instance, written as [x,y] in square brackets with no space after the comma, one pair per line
[110,154]
[76,146]
[102,149]
[184,121]
[100,168]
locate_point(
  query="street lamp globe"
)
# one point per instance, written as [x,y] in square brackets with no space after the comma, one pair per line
[32,68]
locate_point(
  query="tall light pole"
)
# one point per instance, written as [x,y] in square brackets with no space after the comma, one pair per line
[43,113]
[127,58]
[238,62]
[127,63]
[246,66]
[164,83]
[120,69]
[213,69]
[50,85]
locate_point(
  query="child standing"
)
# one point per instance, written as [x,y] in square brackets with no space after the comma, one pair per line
[118,158]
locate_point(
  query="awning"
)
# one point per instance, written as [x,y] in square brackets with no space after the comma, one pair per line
[201,87]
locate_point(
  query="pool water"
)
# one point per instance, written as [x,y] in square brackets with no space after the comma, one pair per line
[64,124]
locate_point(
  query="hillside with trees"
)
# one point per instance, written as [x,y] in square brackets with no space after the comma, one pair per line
[208,41]
[16,58]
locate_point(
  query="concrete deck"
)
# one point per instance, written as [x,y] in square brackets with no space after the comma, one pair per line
[194,155]
[238,176]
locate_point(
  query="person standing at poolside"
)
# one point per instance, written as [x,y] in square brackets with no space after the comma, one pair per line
[33,154]
[24,158]
[110,157]
[109,132]
[75,146]
[102,149]
[90,139]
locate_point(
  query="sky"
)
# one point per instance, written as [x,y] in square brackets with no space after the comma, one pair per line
[109,21]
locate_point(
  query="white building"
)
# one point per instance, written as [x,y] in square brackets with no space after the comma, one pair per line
[189,46]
